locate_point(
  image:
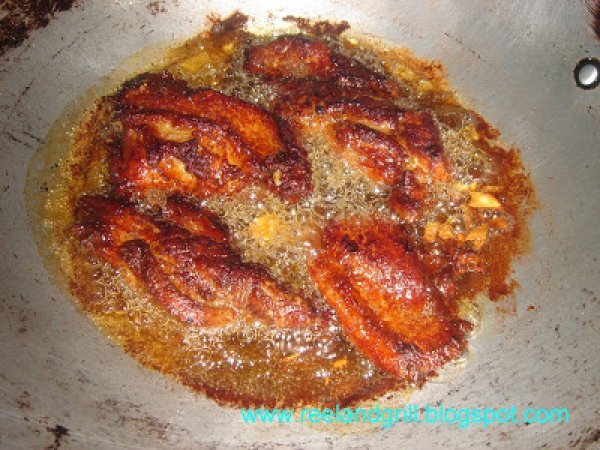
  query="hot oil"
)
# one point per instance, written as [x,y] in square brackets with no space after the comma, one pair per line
[244,363]
[338,191]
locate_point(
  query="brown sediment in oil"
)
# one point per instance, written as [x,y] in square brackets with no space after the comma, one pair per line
[254,365]
[318,27]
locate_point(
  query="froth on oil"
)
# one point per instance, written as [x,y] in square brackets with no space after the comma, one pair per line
[252,363]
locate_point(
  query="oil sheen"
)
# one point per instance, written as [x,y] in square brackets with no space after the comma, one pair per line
[252,364]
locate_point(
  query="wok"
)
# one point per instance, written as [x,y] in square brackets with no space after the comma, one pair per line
[64,384]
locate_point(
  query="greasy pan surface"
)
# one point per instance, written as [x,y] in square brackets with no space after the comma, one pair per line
[512,62]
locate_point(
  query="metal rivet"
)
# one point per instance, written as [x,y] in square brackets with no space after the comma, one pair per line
[587,73]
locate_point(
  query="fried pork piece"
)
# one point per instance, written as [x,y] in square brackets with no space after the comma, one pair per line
[398,148]
[339,117]
[297,57]
[200,142]
[323,94]
[171,153]
[183,260]
[380,294]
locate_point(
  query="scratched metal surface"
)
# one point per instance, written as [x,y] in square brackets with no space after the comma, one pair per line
[512,61]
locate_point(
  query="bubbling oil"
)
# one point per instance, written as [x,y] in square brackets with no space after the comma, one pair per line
[247,364]
[338,191]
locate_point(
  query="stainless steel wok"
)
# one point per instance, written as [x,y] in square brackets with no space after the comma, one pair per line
[63,384]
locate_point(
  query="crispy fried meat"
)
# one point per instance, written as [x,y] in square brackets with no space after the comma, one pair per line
[396,147]
[402,133]
[181,257]
[297,57]
[171,153]
[200,142]
[383,301]
[337,99]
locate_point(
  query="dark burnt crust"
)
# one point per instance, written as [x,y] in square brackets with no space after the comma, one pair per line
[295,57]
[372,133]
[319,27]
[381,156]
[316,103]
[267,152]
[166,259]
[138,257]
[380,292]
[216,156]
[407,196]
[421,134]
[162,92]
[222,26]
[21,17]
[291,57]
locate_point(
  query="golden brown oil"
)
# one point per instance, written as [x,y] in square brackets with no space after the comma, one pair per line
[254,364]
